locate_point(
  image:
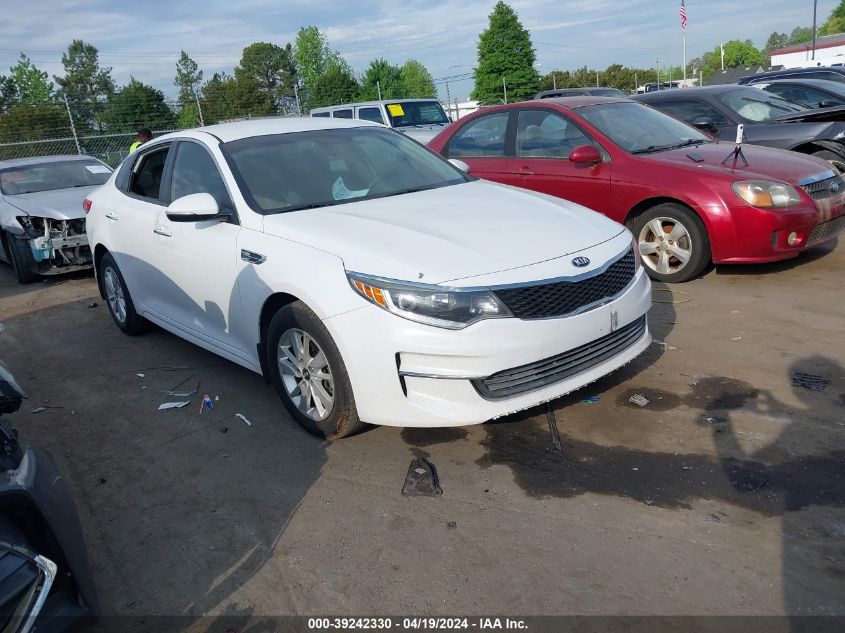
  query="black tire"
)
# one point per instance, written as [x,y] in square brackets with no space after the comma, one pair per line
[341,418]
[129,321]
[833,158]
[663,265]
[22,260]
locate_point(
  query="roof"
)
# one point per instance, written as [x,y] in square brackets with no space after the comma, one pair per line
[826,41]
[572,102]
[272,125]
[38,160]
[732,75]
[821,84]
[368,103]
[687,92]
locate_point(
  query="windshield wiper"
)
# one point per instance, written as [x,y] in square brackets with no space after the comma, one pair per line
[662,148]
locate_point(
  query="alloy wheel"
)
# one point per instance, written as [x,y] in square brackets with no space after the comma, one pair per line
[306,375]
[114,294]
[665,245]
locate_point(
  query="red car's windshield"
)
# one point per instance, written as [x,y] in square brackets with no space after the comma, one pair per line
[639,129]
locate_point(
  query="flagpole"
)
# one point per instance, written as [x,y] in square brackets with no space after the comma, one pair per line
[685,54]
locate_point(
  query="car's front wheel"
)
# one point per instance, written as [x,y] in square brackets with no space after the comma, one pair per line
[119,300]
[22,259]
[309,373]
[673,242]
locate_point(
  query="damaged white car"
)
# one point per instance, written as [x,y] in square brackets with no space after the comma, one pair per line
[41,214]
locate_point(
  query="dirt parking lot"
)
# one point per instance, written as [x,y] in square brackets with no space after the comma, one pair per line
[724,495]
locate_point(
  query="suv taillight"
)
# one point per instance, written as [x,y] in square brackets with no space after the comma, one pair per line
[86,205]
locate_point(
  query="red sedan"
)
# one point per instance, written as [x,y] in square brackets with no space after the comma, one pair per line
[685,200]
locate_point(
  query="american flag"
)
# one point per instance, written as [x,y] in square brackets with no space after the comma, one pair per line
[683,15]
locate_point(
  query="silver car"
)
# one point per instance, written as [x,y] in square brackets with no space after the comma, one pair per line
[41,213]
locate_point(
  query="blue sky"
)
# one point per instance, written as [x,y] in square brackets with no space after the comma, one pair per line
[143,38]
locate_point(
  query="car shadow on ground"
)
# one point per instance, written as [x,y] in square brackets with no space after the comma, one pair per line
[200,499]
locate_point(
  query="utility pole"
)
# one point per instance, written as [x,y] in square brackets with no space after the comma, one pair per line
[597,79]
[378,85]
[505,87]
[636,83]
[448,98]
[657,66]
[296,94]
[554,79]
[72,127]
[199,107]
[815,2]
[722,50]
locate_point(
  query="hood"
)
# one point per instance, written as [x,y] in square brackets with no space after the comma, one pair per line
[422,133]
[836,113]
[447,234]
[58,204]
[764,163]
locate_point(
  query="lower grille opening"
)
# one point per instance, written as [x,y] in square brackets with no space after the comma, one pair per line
[520,380]
[826,229]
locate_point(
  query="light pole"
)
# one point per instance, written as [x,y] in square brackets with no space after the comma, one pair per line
[815,2]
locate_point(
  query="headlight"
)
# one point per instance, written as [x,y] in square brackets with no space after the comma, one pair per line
[765,194]
[447,308]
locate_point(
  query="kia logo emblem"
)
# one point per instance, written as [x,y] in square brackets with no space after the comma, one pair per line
[834,187]
[581,262]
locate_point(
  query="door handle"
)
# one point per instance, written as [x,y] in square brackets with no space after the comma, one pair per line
[111,215]
[162,230]
[525,171]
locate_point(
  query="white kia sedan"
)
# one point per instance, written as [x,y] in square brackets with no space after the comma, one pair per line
[366,277]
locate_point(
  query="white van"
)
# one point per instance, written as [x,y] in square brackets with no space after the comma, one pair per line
[421,119]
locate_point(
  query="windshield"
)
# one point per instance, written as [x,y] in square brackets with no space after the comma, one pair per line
[49,176]
[306,170]
[756,105]
[639,129]
[409,113]
[608,92]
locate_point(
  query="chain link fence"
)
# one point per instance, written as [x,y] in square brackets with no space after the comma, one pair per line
[109,148]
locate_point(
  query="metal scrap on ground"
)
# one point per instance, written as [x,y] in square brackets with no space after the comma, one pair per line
[639,400]
[421,480]
[809,381]
[164,406]
[241,416]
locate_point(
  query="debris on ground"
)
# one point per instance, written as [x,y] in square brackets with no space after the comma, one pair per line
[102,480]
[140,375]
[38,410]
[590,400]
[639,399]
[206,404]
[93,304]
[452,525]
[225,429]
[182,394]
[713,419]
[241,416]
[663,345]
[550,414]
[736,338]
[811,382]
[164,406]
[421,480]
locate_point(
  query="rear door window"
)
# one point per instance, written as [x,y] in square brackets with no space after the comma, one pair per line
[322,114]
[483,137]
[342,114]
[371,114]
[148,172]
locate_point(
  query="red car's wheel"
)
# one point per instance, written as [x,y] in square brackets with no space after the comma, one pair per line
[673,242]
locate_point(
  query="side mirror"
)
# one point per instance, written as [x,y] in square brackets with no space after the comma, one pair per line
[195,207]
[828,103]
[460,165]
[585,155]
[705,124]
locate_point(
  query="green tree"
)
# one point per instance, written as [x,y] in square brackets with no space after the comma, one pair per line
[505,56]
[136,105]
[270,69]
[85,85]
[8,93]
[799,35]
[381,77]
[31,85]
[188,116]
[416,81]
[335,86]
[224,97]
[776,40]
[31,122]
[313,58]
[738,54]
[835,23]
[188,78]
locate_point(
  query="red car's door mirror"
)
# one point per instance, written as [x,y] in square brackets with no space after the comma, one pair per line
[585,155]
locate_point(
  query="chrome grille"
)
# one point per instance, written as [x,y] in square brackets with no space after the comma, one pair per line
[556,299]
[519,380]
[825,188]
[826,229]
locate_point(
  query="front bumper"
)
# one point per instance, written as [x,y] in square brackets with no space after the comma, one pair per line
[409,374]
[761,235]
